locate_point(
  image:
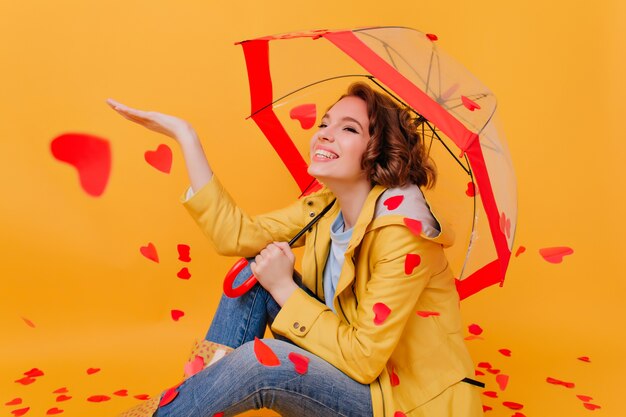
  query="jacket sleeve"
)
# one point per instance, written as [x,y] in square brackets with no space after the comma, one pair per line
[232,231]
[400,267]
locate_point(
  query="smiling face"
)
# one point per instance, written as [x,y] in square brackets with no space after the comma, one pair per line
[338,146]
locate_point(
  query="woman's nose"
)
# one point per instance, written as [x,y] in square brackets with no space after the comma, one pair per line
[326,135]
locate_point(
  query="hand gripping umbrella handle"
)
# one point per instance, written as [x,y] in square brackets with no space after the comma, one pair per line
[229,280]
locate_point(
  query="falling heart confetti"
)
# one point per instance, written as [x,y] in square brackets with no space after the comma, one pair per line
[142,396]
[194,366]
[471,189]
[487,408]
[220,414]
[559,382]
[555,255]
[90,155]
[20,412]
[479,373]
[62,390]
[160,159]
[469,104]
[491,394]
[415,226]
[28,322]
[518,414]
[14,401]
[150,252]
[475,329]
[169,396]
[63,397]
[177,314]
[394,202]
[34,373]
[503,381]
[485,365]
[300,362]
[264,354]
[432,37]
[584,359]
[381,312]
[306,114]
[422,313]
[411,261]
[98,398]
[512,405]
[584,398]
[183,252]
[590,406]
[184,273]
[121,393]
[505,352]
[519,251]
[53,411]
[92,371]
[393,377]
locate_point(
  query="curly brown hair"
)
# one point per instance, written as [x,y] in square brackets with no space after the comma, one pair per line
[395,155]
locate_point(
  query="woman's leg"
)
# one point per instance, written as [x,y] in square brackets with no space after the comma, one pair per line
[239,382]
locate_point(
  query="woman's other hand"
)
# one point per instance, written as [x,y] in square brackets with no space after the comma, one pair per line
[273,268]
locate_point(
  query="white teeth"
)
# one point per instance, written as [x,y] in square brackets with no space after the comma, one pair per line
[325,154]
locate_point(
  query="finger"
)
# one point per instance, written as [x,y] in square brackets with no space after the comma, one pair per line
[284,248]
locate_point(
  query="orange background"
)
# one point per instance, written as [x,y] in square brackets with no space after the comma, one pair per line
[71,262]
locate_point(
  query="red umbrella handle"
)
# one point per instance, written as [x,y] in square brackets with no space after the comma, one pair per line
[229,280]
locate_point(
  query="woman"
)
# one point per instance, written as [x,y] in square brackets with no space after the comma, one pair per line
[350,339]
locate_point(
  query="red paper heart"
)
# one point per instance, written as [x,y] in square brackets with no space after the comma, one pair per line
[306,114]
[485,365]
[415,226]
[150,252]
[393,377]
[183,253]
[432,36]
[590,406]
[584,398]
[427,313]
[555,255]
[62,390]
[26,380]
[177,314]
[194,366]
[28,322]
[63,397]
[121,393]
[519,251]
[184,273]
[220,414]
[559,382]
[584,359]
[518,414]
[493,371]
[300,362]
[54,411]
[142,396]
[20,412]
[98,398]
[399,414]
[381,312]
[161,158]
[90,155]
[469,104]
[503,381]
[471,189]
[411,262]
[512,405]
[34,373]
[505,352]
[475,329]
[394,202]
[169,396]
[92,371]
[264,354]
[491,394]
[487,408]
[14,401]
[479,373]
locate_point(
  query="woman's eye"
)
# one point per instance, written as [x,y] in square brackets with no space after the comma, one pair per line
[321,125]
[351,129]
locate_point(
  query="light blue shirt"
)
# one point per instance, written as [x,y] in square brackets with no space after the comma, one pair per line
[339,240]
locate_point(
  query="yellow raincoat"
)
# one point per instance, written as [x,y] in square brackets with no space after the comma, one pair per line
[412,363]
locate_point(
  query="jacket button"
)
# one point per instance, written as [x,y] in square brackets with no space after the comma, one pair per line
[311,214]
[296,325]
[302,328]
[310,203]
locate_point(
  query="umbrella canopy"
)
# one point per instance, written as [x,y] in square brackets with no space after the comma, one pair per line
[476,188]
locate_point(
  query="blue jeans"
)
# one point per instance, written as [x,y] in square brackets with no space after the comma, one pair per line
[238,382]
